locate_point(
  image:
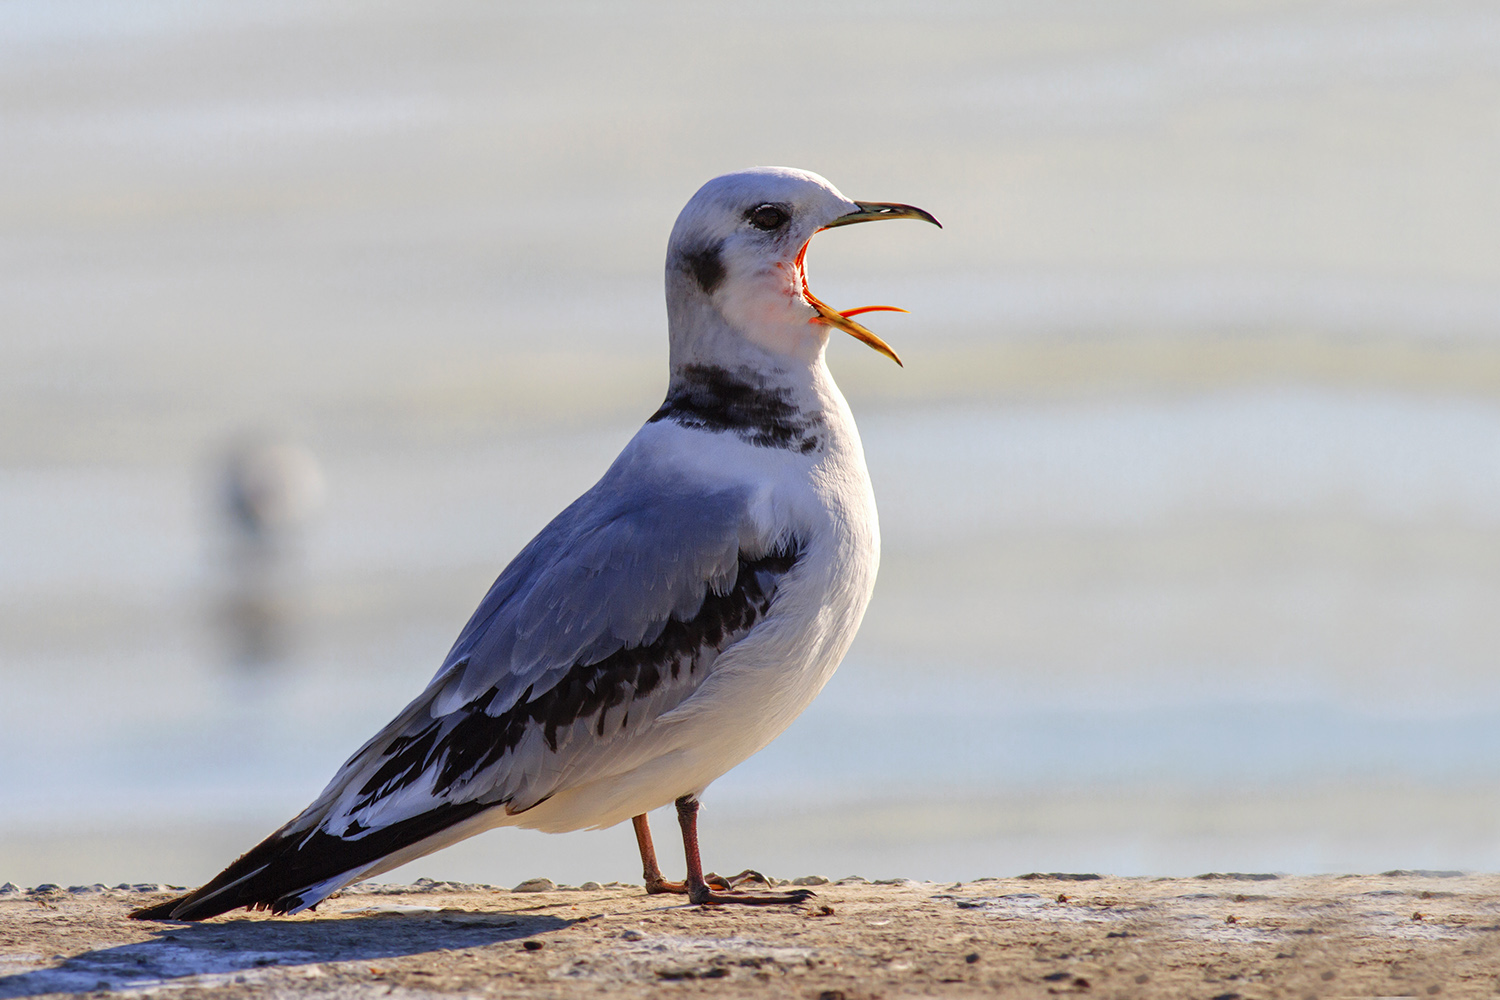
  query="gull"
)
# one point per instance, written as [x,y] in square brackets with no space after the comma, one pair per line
[666,625]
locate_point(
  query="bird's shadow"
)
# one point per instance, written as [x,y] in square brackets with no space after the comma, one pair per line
[182,950]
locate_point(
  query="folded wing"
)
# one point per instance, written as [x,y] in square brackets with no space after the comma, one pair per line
[612,616]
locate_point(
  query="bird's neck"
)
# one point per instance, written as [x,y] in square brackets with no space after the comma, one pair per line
[771,391]
[767,402]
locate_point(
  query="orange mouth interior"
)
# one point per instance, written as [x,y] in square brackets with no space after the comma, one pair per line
[841,319]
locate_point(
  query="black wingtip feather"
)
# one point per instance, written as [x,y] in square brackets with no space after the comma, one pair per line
[161,911]
[259,888]
[277,872]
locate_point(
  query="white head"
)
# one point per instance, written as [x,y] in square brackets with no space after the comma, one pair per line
[736,280]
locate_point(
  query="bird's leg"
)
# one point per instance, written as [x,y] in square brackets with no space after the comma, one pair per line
[698,890]
[649,868]
[651,871]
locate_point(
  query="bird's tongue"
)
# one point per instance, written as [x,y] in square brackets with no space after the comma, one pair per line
[841,319]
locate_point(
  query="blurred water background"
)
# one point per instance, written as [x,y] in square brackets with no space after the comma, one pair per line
[1190,488]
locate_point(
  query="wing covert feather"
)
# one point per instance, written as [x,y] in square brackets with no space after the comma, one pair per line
[609,571]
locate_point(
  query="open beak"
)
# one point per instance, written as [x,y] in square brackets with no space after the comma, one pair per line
[868,211]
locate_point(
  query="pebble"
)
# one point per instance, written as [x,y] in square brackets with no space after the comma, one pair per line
[536,885]
[590,887]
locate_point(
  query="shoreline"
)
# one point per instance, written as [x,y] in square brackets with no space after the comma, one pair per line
[1217,935]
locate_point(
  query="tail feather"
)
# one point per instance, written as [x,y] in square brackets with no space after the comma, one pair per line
[293,869]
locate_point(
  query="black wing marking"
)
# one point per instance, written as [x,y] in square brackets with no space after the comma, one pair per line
[470,740]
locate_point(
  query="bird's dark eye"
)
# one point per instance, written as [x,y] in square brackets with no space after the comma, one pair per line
[768,217]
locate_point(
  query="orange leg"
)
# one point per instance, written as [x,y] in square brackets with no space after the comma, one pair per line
[650,869]
[698,888]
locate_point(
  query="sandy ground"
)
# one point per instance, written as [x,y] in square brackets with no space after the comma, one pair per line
[1220,937]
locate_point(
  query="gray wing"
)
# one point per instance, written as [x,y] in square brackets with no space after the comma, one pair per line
[611,616]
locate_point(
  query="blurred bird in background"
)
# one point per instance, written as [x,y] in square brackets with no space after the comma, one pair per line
[269,492]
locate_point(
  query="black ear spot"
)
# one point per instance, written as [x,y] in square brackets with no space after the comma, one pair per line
[706,266]
[768,217]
